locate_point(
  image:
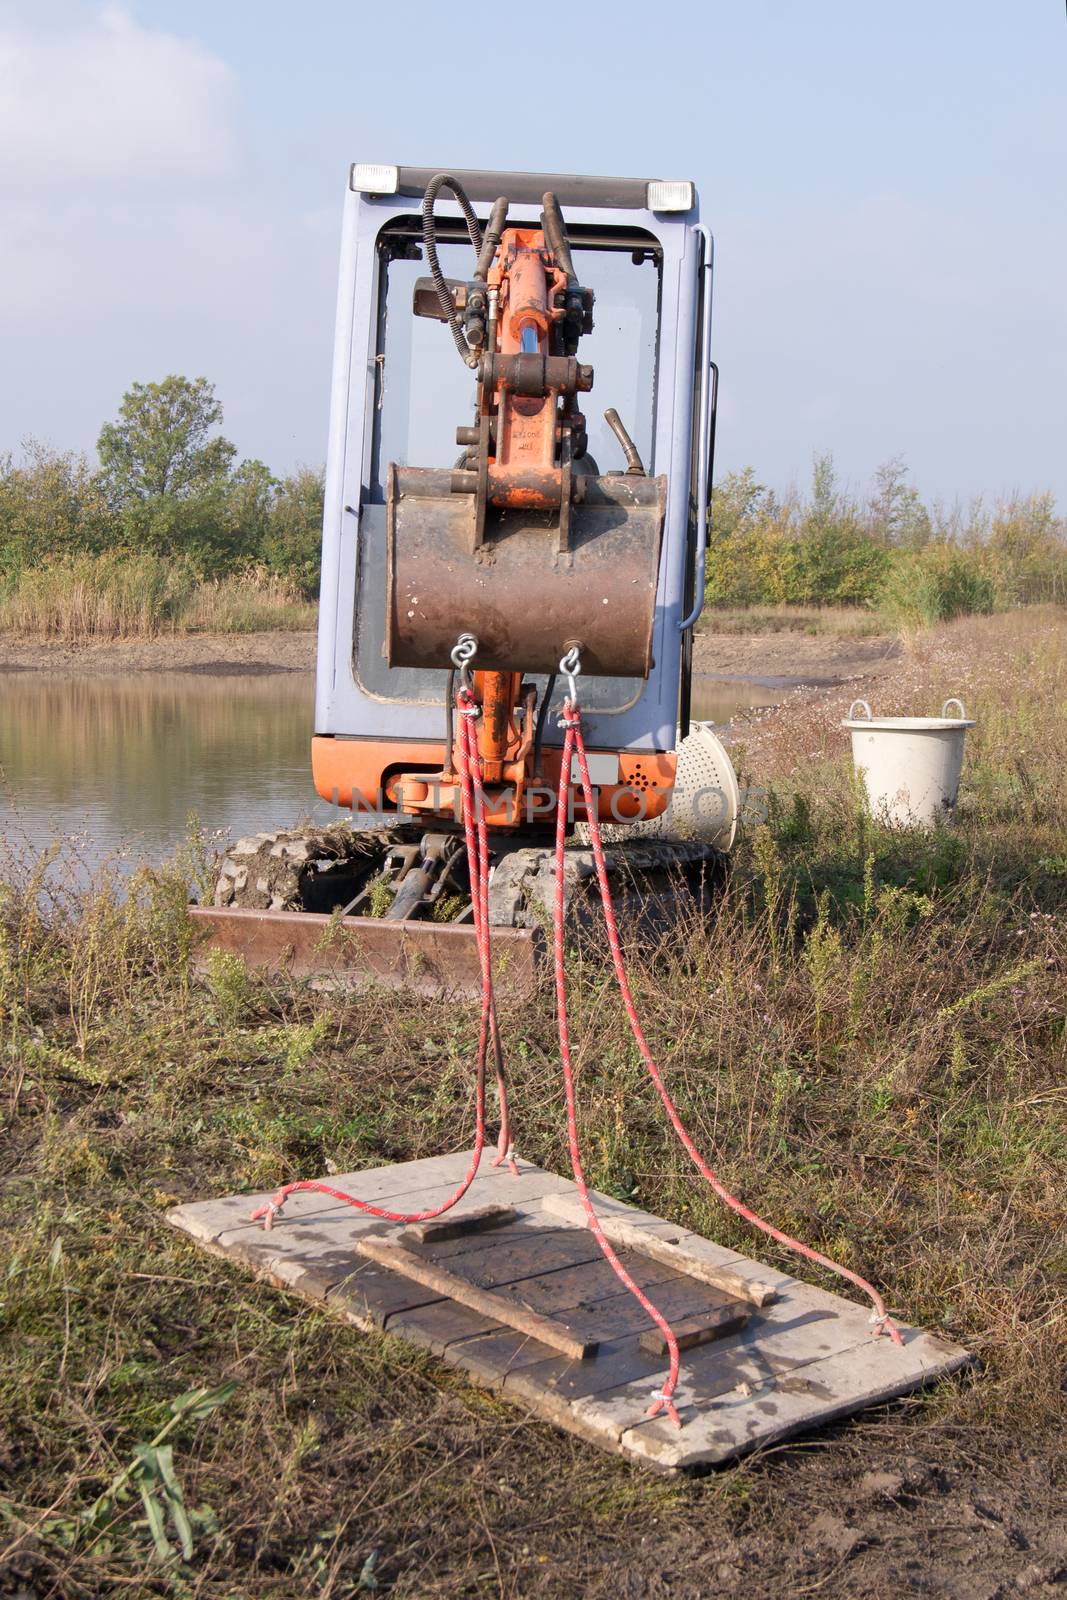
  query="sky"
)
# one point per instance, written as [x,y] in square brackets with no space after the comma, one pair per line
[885,182]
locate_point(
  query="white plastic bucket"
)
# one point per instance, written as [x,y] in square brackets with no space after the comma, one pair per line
[705,803]
[910,765]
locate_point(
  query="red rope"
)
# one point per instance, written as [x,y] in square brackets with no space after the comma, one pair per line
[664,1401]
[473,802]
[476,838]
[572,723]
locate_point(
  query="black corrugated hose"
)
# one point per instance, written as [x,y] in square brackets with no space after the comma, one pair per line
[444,180]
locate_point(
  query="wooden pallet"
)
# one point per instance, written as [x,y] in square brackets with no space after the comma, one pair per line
[767,1356]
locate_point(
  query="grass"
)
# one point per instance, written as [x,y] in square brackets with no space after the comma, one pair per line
[869,1035]
[122,596]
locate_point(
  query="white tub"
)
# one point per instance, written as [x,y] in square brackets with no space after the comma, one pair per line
[910,765]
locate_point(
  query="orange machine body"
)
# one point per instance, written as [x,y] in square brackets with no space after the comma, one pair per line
[372,775]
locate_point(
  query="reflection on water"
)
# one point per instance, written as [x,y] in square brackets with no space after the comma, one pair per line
[717,699]
[120,762]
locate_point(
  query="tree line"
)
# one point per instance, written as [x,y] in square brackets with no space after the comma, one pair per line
[169,492]
[885,549]
[168,484]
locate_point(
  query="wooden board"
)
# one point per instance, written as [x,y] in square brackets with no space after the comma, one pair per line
[496,1306]
[701,1327]
[803,1357]
[437,1230]
[679,1249]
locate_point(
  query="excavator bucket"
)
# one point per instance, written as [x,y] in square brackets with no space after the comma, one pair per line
[523,576]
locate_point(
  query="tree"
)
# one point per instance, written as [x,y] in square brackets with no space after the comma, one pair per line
[292,540]
[895,514]
[50,505]
[251,495]
[743,540]
[836,561]
[160,447]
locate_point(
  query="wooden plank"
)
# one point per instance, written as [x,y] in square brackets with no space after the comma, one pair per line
[745,1416]
[802,1359]
[440,1324]
[675,1298]
[488,1358]
[773,1342]
[518,1254]
[450,1285]
[620,1230]
[772,1346]
[526,1368]
[589,1285]
[371,1294]
[701,1328]
[456,1224]
[618,1322]
[405,1186]
[618,1362]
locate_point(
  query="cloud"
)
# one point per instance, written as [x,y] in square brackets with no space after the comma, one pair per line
[139,238]
[101,101]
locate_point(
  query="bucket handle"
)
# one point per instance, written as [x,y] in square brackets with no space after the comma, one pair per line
[865,707]
[954,702]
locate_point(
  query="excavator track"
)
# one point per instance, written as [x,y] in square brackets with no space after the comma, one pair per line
[396,874]
[302,869]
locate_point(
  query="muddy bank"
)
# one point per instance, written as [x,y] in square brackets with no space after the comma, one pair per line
[776,659]
[784,659]
[216,654]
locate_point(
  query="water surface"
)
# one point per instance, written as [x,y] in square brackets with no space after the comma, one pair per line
[115,765]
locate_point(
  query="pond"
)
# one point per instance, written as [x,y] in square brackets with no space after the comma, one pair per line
[114,766]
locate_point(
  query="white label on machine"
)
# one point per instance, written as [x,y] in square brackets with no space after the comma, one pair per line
[603,769]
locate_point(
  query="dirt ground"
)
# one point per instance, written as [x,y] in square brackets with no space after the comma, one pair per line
[812,658]
[218,654]
[792,655]
[875,1509]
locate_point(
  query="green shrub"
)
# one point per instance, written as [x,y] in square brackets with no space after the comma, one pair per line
[763,551]
[936,584]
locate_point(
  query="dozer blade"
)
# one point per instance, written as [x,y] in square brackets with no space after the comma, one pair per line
[431,958]
[283,902]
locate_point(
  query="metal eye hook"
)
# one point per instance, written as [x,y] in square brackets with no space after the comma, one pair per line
[463,653]
[571,668]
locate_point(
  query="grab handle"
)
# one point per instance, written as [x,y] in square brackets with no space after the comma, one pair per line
[709,400]
[852,708]
[954,702]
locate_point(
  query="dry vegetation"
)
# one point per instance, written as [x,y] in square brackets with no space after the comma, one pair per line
[870,1035]
[838,622]
[101,597]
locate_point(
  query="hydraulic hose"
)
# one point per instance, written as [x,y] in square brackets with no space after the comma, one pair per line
[493,229]
[556,234]
[444,180]
[542,719]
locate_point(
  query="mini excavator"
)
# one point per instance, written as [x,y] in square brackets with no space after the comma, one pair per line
[554,539]
[558,548]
